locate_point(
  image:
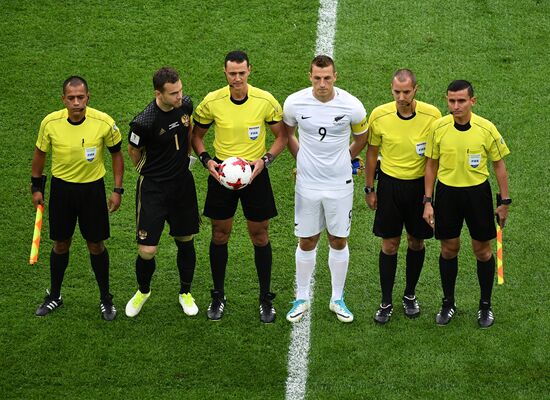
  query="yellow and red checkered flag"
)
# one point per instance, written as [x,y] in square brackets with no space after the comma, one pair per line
[35,245]
[500,266]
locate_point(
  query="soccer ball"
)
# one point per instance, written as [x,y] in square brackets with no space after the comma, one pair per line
[235,173]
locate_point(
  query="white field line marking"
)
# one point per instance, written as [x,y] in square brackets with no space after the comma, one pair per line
[298,350]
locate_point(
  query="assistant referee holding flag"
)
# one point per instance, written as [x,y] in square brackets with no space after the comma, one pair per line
[77,136]
[459,148]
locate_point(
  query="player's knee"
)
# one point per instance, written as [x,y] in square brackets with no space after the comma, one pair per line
[483,254]
[62,246]
[338,243]
[183,239]
[415,244]
[390,246]
[147,252]
[260,240]
[220,237]
[95,248]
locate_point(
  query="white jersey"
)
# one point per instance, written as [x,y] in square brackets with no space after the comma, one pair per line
[323,161]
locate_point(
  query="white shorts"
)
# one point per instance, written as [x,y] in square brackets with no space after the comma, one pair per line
[316,210]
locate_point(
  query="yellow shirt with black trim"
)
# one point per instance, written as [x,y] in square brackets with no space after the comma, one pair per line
[463,155]
[78,150]
[239,128]
[402,141]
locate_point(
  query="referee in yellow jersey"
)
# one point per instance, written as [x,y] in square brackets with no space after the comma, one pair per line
[398,131]
[239,113]
[459,149]
[77,136]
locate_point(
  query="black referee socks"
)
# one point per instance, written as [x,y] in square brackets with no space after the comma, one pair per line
[387,266]
[415,261]
[486,277]
[58,265]
[263,258]
[100,265]
[448,269]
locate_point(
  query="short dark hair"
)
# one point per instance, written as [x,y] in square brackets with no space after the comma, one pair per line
[164,75]
[403,74]
[75,80]
[237,56]
[322,61]
[461,84]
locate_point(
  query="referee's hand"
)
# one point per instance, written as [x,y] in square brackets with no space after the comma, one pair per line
[429,215]
[212,167]
[114,201]
[372,200]
[257,167]
[502,214]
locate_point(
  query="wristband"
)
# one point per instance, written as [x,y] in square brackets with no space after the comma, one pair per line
[369,189]
[36,184]
[119,190]
[506,202]
[427,199]
[268,159]
[204,157]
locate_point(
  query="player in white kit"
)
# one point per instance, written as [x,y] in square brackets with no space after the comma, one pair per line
[326,117]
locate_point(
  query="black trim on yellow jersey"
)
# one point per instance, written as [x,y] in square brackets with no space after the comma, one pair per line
[78,122]
[238,102]
[205,126]
[116,148]
[406,118]
[462,128]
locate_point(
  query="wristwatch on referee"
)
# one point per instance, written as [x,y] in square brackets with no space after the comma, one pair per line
[506,202]
[119,190]
[427,199]
[369,189]
[267,159]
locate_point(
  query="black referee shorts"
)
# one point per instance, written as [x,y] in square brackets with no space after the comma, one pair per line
[399,202]
[173,201]
[257,199]
[85,202]
[474,204]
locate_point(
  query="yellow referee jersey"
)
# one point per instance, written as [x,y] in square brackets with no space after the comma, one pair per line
[77,150]
[402,141]
[463,155]
[239,128]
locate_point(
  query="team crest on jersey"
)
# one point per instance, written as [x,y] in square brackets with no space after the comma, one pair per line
[142,234]
[421,149]
[474,160]
[253,132]
[185,120]
[90,153]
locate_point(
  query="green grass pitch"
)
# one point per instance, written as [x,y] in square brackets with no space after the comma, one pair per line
[501,46]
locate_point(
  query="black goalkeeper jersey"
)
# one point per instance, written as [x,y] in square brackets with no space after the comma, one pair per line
[163,138]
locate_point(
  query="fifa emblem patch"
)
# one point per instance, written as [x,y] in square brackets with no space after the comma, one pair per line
[421,149]
[253,132]
[474,160]
[90,153]
[185,120]
[134,138]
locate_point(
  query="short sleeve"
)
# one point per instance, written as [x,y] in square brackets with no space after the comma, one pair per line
[359,122]
[497,146]
[113,136]
[43,141]
[274,111]
[203,113]
[289,113]
[432,143]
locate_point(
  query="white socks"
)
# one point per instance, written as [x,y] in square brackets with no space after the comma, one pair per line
[305,264]
[338,261]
